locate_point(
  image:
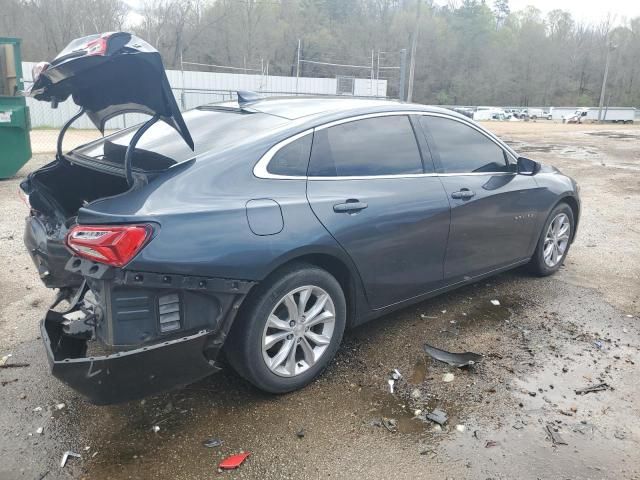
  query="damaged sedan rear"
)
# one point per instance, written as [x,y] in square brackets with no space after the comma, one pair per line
[262,227]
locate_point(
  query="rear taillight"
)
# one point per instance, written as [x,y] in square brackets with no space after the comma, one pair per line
[97,46]
[111,244]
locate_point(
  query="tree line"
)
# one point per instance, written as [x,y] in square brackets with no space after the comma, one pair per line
[468,52]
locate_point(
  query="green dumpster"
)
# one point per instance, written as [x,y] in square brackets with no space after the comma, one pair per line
[15,143]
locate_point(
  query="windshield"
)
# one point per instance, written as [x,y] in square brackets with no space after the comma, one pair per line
[161,146]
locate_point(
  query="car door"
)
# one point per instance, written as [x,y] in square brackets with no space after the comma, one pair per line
[367,185]
[492,207]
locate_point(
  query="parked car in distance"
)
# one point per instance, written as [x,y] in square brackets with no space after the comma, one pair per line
[291,220]
[489,113]
[513,112]
[532,113]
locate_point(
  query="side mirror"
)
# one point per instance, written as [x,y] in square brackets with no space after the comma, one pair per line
[526,166]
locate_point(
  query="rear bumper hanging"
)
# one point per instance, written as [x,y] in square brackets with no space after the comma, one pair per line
[126,375]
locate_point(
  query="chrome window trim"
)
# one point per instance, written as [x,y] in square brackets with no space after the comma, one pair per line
[260,169]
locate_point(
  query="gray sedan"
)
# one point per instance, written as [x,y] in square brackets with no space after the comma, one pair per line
[289,221]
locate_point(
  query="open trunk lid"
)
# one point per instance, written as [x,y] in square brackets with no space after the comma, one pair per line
[107,75]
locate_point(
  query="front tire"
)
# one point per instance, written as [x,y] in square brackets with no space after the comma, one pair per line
[554,242]
[289,329]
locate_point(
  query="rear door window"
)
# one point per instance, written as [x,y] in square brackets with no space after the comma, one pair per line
[373,146]
[463,149]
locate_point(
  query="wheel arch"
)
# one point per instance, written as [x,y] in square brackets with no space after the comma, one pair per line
[337,264]
[345,274]
[575,209]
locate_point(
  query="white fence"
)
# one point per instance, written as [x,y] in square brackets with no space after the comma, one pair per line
[198,88]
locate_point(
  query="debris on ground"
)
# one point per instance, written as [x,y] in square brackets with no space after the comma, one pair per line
[391,382]
[491,443]
[40,430]
[460,428]
[519,424]
[455,359]
[396,375]
[66,455]
[155,429]
[60,406]
[234,461]
[390,424]
[495,302]
[300,433]
[5,359]
[448,377]
[37,409]
[213,443]
[555,436]
[14,365]
[598,344]
[438,416]
[594,388]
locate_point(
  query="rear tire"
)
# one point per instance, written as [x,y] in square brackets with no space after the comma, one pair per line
[554,242]
[289,329]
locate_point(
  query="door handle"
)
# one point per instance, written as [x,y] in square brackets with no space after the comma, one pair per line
[350,206]
[463,194]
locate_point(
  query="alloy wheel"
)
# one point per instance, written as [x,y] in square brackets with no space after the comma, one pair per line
[298,331]
[556,240]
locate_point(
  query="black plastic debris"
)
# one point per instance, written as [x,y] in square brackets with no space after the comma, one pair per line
[555,436]
[213,443]
[455,359]
[438,416]
[300,433]
[593,388]
[390,424]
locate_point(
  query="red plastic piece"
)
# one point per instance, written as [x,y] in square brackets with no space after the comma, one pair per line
[234,461]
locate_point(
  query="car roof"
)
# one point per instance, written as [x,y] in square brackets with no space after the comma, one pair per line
[310,108]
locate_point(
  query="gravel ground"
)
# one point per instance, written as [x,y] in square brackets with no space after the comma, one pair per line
[547,338]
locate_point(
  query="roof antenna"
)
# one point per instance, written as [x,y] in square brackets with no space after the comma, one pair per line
[246,97]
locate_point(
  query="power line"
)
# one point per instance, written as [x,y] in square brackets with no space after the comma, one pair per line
[222,66]
[335,64]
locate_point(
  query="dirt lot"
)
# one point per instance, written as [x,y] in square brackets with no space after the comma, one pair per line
[547,338]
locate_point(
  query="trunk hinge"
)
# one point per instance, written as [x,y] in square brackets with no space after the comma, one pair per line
[63,131]
[132,146]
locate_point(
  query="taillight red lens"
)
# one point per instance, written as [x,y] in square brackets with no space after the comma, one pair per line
[97,46]
[111,244]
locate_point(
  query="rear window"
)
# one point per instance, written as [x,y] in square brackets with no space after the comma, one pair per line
[292,159]
[373,146]
[211,131]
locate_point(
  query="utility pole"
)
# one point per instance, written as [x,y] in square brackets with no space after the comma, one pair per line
[298,67]
[372,73]
[182,94]
[403,72]
[610,48]
[414,45]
